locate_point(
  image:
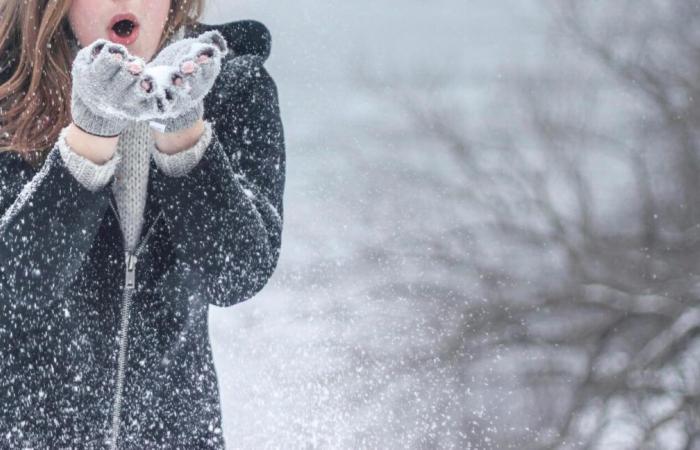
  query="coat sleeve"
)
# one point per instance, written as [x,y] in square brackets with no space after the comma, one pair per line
[48,221]
[225,216]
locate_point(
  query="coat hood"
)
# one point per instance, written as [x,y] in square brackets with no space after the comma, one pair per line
[244,37]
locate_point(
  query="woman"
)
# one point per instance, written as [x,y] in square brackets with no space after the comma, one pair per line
[117,232]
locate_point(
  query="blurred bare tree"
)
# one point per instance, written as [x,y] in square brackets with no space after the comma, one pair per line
[563,228]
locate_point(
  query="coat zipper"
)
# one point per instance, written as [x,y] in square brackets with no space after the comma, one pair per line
[129,287]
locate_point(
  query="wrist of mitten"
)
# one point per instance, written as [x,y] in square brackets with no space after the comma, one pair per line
[94,124]
[91,175]
[186,120]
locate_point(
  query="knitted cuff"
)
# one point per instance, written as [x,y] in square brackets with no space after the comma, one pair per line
[91,175]
[181,163]
[90,123]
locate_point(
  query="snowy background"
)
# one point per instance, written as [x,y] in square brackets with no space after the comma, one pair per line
[335,352]
[490,232]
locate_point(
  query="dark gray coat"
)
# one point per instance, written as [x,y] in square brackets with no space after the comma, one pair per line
[210,237]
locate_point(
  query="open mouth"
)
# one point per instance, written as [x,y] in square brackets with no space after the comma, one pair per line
[123,29]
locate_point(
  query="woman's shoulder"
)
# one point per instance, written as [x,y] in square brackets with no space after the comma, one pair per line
[244,37]
[243,74]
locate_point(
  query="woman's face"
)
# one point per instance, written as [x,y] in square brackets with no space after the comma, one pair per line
[140,33]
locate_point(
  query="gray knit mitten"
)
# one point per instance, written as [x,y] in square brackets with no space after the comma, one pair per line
[181,75]
[106,93]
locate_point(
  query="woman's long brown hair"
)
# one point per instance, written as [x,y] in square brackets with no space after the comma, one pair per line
[35,70]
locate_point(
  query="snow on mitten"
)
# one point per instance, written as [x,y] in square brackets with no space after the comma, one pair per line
[106,94]
[181,76]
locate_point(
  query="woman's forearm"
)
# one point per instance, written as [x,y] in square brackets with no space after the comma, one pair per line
[178,141]
[97,149]
[100,149]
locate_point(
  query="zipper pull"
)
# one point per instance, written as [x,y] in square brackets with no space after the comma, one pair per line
[130,270]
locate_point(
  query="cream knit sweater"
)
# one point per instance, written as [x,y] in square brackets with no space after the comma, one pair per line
[130,165]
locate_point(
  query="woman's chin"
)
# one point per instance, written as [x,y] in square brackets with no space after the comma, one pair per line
[136,51]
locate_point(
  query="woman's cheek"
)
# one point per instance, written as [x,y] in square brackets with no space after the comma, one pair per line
[154,21]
